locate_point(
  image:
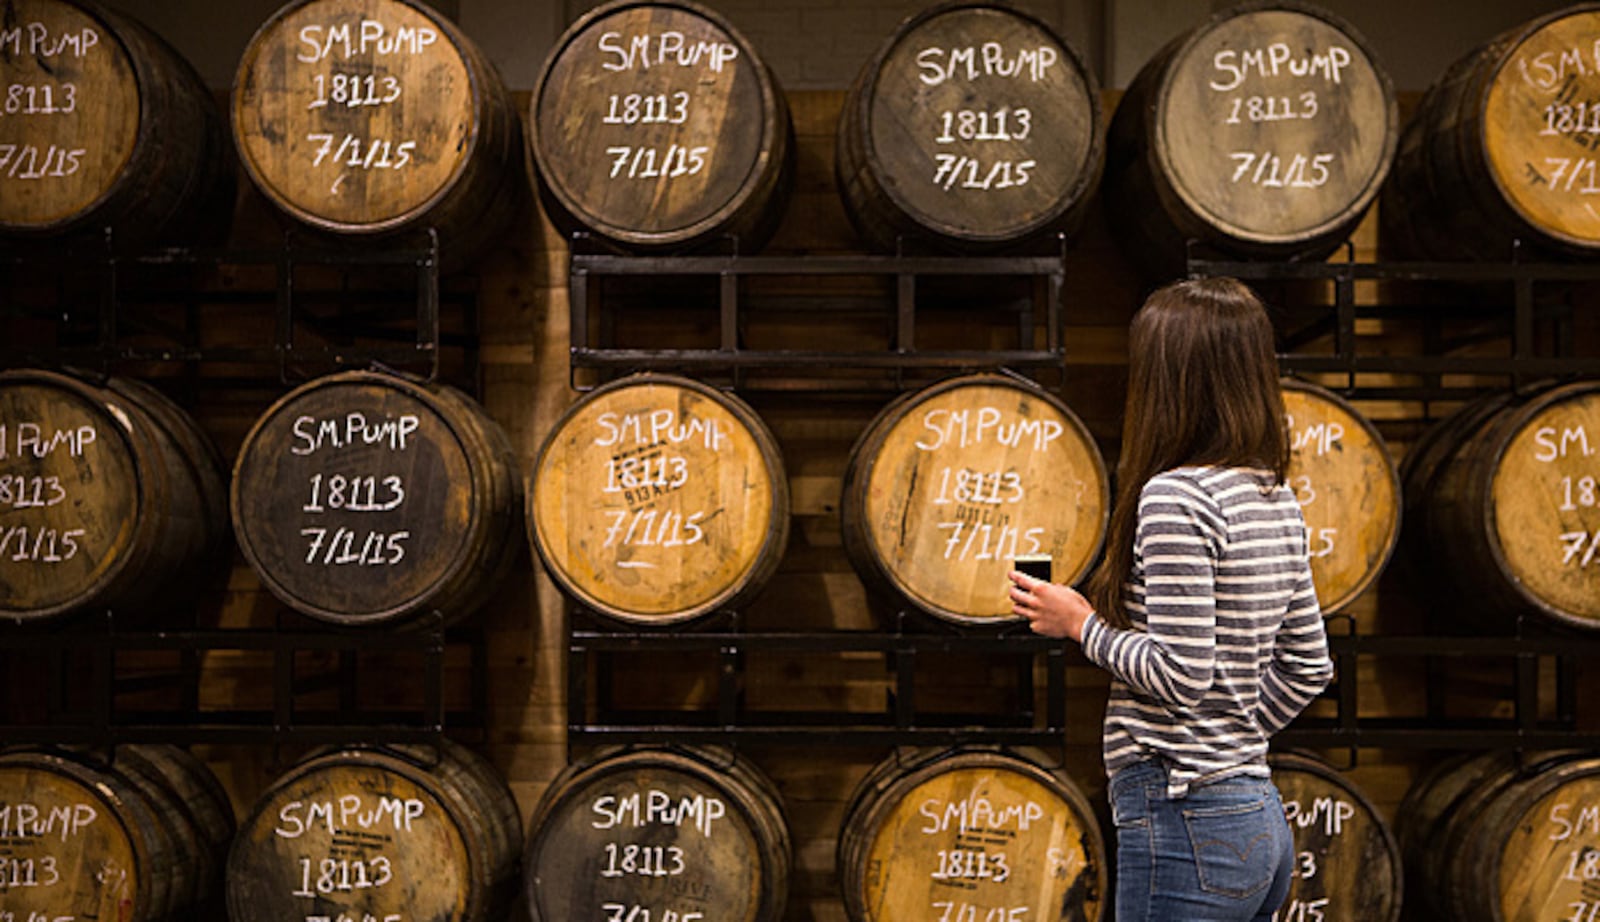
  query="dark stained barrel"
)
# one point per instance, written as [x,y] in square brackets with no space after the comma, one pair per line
[195,805]
[113,497]
[1505,837]
[1503,149]
[657,499]
[104,126]
[950,484]
[85,839]
[1421,466]
[657,126]
[1342,474]
[675,833]
[1265,132]
[965,831]
[1347,864]
[1508,504]
[974,126]
[366,117]
[414,831]
[366,498]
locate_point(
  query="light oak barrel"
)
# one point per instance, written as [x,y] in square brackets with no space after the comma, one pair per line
[973,126]
[970,828]
[104,126]
[424,832]
[83,839]
[369,117]
[1345,479]
[949,483]
[113,497]
[669,829]
[1265,132]
[1503,837]
[1348,866]
[1502,149]
[657,126]
[368,498]
[1513,513]
[656,500]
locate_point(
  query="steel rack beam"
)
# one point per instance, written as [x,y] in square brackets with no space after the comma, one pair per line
[594,316]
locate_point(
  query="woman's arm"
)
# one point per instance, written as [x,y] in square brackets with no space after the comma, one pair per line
[1300,667]
[1179,540]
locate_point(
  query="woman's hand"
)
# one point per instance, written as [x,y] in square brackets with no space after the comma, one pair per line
[1051,609]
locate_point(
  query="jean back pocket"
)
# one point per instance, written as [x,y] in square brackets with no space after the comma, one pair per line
[1233,846]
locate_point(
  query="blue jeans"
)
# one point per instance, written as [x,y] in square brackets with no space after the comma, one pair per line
[1222,853]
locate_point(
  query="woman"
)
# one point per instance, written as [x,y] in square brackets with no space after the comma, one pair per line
[1203,612]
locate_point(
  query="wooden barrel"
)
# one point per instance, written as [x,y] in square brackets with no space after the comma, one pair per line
[970,834]
[1345,479]
[1501,149]
[365,117]
[86,839]
[658,499]
[658,833]
[949,484]
[104,126]
[1347,864]
[1266,131]
[1505,837]
[658,126]
[112,494]
[1430,821]
[195,806]
[406,832]
[367,498]
[1428,456]
[1510,508]
[974,126]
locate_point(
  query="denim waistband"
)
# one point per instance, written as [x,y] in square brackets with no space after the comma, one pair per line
[1156,771]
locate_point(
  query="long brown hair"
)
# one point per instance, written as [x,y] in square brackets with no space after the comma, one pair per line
[1202,389]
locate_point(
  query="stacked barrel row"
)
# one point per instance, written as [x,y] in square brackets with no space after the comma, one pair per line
[656,500]
[140,836]
[363,498]
[366,498]
[147,833]
[1265,131]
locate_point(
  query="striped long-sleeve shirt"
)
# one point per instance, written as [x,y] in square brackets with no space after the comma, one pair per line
[1227,644]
